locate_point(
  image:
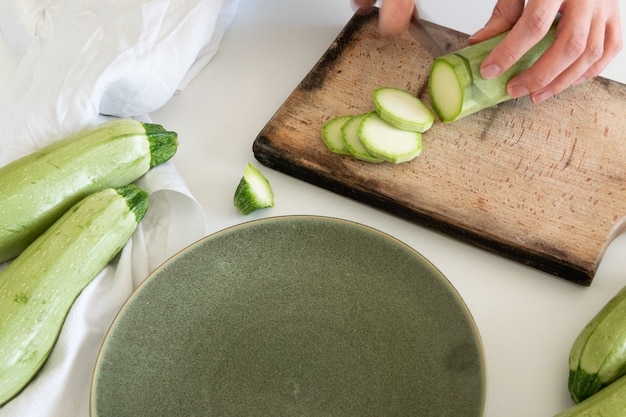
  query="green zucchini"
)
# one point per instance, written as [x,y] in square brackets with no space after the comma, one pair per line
[350,137]
[39,287]
[253,192]
[456,87]
[402,109]
[609,402]
[392,132]
[598,355]
[37,189]
[331,135]
[387,142]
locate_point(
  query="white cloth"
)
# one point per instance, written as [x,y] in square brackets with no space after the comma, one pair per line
[80,62]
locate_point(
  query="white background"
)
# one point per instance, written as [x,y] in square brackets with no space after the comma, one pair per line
[527,319]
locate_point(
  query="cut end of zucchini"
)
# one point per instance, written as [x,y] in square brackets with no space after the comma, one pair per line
[446,91]
[402,109]
[583,385]
[163,144]
[388,142]
[253,192]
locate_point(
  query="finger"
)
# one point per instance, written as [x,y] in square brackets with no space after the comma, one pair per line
[395,16]
[362,3]
[577,46]
[592,54]
[613,44]
[532,25]
[603,44]
[504,15]
[362,6]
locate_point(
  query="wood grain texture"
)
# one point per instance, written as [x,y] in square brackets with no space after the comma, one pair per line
[543,184]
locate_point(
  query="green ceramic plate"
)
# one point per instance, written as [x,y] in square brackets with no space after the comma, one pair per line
[293,316]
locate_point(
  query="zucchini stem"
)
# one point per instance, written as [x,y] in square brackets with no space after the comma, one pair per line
[163,144]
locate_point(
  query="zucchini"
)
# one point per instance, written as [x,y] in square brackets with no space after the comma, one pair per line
[598,354]
[392,132]
[456,87]
[402,109]
[387,142]
[352,140]
[331,135]
[610,402]
[37,189]
[39,287]
[253,191]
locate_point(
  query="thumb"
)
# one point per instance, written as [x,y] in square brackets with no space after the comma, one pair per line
[505,14]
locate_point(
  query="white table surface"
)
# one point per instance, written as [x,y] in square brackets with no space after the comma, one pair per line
[527,318]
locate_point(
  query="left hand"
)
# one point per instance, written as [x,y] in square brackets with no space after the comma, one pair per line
[394,17]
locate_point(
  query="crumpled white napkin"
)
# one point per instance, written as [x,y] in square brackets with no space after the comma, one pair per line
[79,63]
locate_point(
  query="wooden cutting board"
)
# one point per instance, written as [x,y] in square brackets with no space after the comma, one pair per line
[542,184]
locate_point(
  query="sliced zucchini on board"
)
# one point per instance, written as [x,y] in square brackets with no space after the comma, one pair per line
[387,142]
[402,109]
[350,136]
[391,132]
[331,135]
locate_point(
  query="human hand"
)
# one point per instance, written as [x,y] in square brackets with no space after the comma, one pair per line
[394,17]
[588,37]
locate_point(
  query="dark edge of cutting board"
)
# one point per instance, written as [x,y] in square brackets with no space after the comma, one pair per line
[279,159]
[265,154]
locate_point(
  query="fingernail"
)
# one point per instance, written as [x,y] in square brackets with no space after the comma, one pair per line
[541,96]
[516,91]
[490,71]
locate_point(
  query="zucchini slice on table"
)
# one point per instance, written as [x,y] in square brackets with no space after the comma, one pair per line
[253,192]
[39,287]
[37,189]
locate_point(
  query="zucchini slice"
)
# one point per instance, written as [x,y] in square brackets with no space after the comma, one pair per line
[402,109]
[352,140]
[388,142]
[331,135]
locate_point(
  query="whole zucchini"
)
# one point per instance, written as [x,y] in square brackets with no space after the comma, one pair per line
[609,402]
[598,355]
[37,189]
[39,287]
